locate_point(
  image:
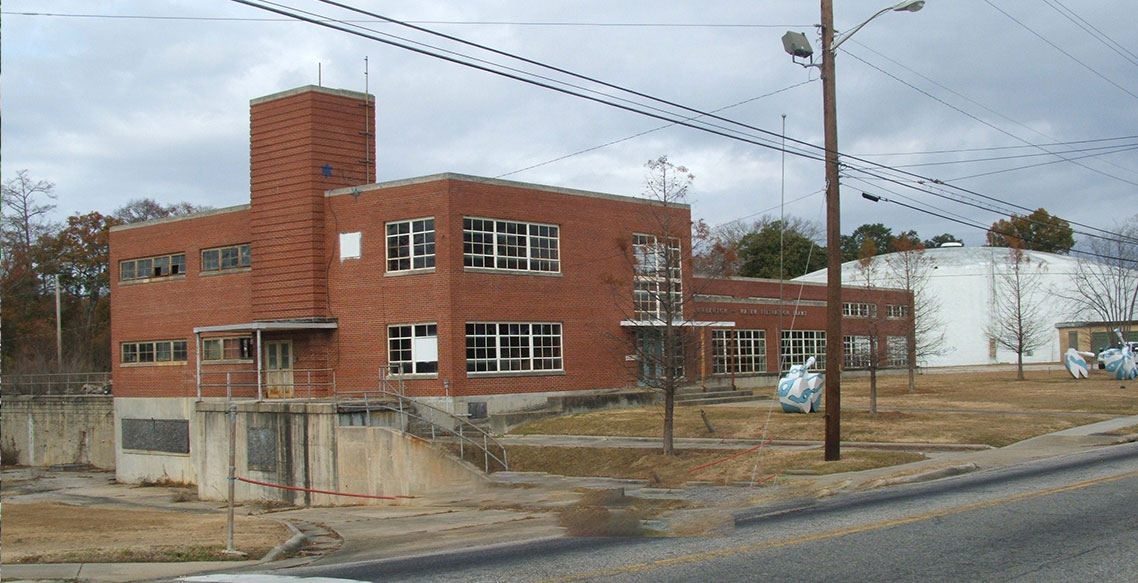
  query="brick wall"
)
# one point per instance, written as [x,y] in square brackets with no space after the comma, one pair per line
[302,142]
[168,308]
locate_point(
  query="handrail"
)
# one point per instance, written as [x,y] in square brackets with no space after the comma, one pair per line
[65,383]
[467,432]
[244,380]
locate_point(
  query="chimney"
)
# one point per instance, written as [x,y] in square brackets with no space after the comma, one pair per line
[303,142]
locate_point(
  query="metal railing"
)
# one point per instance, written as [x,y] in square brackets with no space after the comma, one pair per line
[307,384]
[67,383]
[388,398]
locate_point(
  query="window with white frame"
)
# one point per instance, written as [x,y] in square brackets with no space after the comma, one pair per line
[657,285]
[413,348]
[739,351]
[859,309]
[800,345]
[513,346]
[223,258]
[151,267]
[896,311]
[858,351]
[898,350]
[510,245]
[238,348]
[156,351]
[411,245]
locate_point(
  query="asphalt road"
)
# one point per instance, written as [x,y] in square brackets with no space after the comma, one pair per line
[1073,518]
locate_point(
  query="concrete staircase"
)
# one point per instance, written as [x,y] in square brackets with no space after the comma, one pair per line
[696,396]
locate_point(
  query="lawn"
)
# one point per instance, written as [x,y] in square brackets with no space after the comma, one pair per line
[985,409]
[989,409]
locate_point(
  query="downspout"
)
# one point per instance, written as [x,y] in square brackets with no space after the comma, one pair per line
[260,373]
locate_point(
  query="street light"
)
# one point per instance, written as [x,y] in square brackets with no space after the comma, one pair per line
[798,47]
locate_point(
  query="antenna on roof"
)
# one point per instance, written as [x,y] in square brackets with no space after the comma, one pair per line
[319,74]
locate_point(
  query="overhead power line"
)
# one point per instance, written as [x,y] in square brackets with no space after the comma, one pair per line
[1060,49]
[800,148]
[446,22]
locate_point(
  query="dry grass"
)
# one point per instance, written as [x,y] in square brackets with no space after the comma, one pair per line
[51,532]
[970,412]
[667,471]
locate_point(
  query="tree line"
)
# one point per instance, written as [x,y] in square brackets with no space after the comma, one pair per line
[40,254]
[786,248]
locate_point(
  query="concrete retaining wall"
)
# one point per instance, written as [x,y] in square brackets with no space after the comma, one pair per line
[58,429]
[302,445]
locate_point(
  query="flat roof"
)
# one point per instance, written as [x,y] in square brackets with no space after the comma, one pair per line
[356,190]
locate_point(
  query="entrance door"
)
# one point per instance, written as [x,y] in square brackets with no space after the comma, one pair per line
[278,369]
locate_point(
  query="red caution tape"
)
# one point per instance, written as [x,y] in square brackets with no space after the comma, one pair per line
[315,491]
[731,457]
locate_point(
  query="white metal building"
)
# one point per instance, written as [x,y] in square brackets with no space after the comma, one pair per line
[963,281]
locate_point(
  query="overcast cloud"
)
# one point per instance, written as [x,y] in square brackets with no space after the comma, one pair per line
[113,109]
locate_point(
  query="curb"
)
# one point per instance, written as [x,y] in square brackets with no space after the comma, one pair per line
[288,547]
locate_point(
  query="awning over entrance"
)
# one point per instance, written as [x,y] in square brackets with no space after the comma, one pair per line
[272,325]
[676,323]
[257,328]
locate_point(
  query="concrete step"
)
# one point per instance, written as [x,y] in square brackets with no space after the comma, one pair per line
[717,397]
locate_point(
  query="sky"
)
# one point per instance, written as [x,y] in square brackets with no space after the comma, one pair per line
[1009,104]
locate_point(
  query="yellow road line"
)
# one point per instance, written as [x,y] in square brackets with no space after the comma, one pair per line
[749,548]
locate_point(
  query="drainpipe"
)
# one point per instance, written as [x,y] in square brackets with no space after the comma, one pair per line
[260,352]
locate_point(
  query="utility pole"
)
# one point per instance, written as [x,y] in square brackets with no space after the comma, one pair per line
[58,329]
[832,397]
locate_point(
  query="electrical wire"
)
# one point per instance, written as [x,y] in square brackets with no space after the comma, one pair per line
[1095,33]
[1060,49]
[657,113]
[445,22]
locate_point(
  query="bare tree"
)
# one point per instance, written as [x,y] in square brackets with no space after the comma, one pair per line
[24,209]
[664,339]
[1017,316]
[1105,286]
[910,269]
[864,351]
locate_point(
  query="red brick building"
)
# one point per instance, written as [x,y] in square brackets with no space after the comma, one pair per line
[469,290]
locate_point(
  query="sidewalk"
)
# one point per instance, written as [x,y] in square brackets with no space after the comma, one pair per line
[522,507]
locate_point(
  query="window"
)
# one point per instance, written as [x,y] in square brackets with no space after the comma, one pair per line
[858,351]
[896,311]
[859,310]
[411,245]
[151,267]
[657,286]
[153,352]
[227,349]
[413,349]
[898,348]
[223,258]
[510,245]
[739,351]
[800,345]
[513,346]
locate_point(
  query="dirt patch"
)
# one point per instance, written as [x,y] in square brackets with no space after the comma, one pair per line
[52,532]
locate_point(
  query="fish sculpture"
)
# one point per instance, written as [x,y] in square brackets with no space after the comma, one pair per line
[1120,363]
[800,391]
